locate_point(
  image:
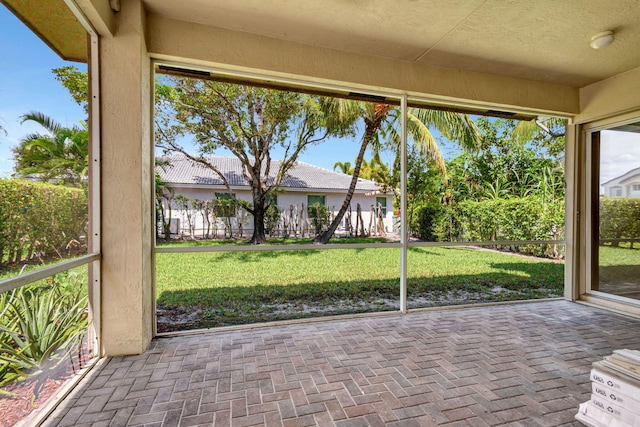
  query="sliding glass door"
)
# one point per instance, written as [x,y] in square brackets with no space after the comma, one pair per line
[615,206]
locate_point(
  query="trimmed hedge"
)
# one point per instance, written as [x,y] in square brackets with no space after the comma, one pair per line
[40,220]
[619,218]
[526,218]
[520,218]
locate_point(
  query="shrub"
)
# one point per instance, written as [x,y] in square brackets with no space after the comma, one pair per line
[521,218]
[40,325]
[619,218]
[427,221]
[272,217]
[39,219]
[320,217]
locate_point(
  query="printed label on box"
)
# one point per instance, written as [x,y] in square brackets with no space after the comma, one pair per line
[614,396]
[616,411]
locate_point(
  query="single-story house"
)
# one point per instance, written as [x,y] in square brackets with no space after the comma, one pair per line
[303,186]
[625,185]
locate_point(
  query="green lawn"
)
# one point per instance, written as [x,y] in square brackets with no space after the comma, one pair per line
[211,289]
[619,268]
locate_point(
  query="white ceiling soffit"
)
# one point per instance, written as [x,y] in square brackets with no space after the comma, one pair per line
[543,40]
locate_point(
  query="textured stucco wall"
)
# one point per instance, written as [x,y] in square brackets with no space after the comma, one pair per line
[608,98]
[126,290]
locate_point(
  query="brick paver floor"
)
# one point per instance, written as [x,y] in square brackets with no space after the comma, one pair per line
[520,364]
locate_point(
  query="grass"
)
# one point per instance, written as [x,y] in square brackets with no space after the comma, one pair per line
[211,289]
[619,268]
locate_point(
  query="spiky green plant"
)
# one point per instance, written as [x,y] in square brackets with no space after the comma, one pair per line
[39,327]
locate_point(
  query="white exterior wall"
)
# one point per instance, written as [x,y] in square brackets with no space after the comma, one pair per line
[630,191]
[609,189]
[285,199]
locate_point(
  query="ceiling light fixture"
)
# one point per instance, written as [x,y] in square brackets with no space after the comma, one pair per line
[602,39]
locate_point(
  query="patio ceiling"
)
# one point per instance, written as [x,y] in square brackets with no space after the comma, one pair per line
[543,40]
[55,24]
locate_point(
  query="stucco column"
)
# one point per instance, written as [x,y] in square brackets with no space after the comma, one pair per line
[127,176]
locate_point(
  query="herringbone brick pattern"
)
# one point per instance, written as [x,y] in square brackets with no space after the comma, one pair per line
[521,364]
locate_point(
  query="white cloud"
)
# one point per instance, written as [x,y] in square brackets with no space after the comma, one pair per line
[619,153]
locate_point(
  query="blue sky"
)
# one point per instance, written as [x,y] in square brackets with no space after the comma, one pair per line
[26,84]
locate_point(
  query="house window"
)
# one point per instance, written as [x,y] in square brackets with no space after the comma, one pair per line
[225,205]
[635,187]
[382,201]
[312,199]
[616,191]
[270,200]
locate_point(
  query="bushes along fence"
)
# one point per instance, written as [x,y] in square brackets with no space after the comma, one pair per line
[40,221]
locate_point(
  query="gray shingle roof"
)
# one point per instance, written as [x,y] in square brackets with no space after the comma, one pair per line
[302,175]
[625,177]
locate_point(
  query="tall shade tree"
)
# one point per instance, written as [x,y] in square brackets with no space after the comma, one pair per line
[60,154]
[250,123]
[382,122]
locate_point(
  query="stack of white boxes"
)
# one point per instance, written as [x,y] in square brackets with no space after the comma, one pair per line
[615,392]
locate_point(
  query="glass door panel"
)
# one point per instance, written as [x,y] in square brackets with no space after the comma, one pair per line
[616,252]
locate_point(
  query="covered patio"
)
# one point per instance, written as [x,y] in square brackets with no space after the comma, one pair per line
[503,364]
[518,364]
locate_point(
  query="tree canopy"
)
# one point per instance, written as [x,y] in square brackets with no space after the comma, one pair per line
[381,126]
[250,122]
[76,82]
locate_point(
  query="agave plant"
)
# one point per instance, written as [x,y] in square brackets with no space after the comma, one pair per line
[39,328]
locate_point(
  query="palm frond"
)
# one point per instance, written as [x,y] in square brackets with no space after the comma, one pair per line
[43,120]
[454,126]
[425,142]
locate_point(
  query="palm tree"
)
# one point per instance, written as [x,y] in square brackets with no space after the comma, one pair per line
[376,170]
[60,155]
[344,167]
[382,121]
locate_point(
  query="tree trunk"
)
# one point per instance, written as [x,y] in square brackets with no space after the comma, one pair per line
[324,237]
[259,234]
[167,223]
[381,231]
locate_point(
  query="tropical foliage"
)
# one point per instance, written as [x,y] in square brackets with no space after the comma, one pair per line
[60,155]
[506,166]
[41,325]
[374,169]
[76,82]
[381,127]
[511,187]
